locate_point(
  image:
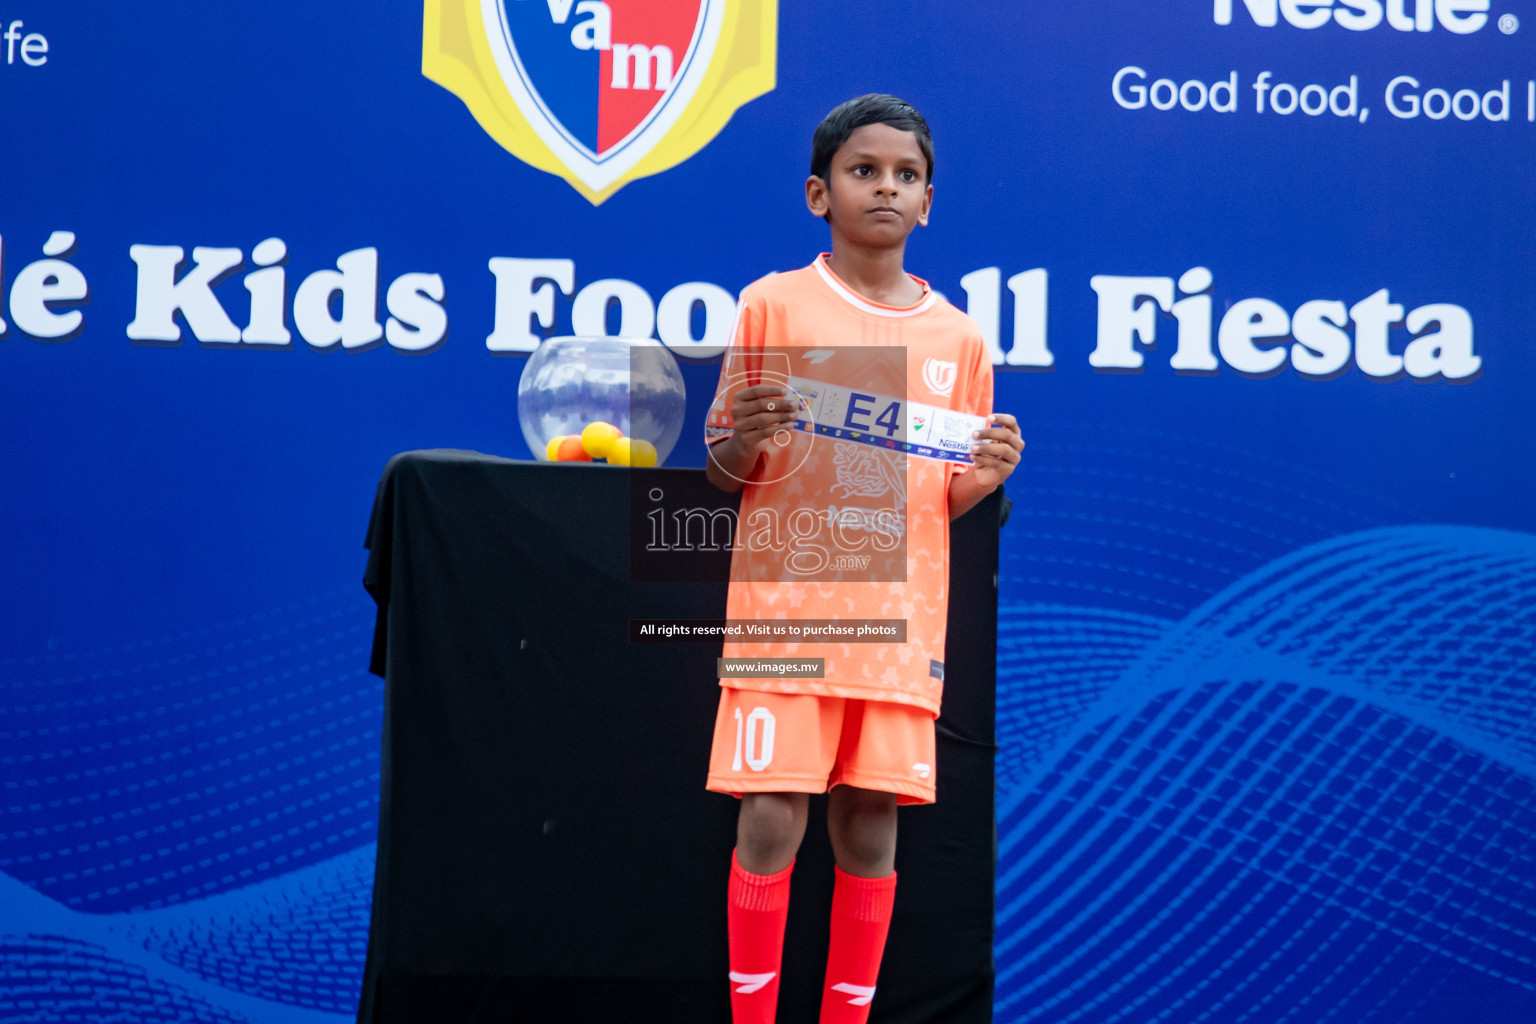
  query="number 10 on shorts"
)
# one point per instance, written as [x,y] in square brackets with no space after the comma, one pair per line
[758,737]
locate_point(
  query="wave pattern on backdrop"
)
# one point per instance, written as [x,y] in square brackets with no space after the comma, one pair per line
[187,823]
[1281,804]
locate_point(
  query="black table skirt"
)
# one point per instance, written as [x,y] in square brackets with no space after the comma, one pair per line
[547,850]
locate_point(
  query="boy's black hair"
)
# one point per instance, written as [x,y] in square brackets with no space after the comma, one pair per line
[875,108]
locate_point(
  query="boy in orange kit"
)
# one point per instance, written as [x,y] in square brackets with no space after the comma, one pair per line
[839,522]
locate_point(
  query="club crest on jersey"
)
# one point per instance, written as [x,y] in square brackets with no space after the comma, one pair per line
[601,92]
[939,376]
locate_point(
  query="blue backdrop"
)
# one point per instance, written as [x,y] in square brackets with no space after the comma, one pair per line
[1268,603]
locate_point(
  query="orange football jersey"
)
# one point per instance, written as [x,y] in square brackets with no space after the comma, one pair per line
[836,529]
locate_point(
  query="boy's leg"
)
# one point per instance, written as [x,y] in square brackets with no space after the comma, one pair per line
[885,757]
[862,824]
[772,750]
[768,832]
[769,829]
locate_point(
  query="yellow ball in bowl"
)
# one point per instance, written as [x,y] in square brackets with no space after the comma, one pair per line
[632,451]
[597,438]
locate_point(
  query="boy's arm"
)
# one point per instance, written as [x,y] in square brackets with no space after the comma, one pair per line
[965,493]
[729,464]
[996,451]
[758,413]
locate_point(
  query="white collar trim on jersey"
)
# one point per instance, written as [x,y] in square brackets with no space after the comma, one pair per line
[868,307]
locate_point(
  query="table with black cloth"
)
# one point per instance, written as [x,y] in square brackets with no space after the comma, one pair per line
[547,850]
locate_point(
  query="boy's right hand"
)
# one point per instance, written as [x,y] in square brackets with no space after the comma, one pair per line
[760,412]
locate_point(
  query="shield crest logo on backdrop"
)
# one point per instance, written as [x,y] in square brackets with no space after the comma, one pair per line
[602,92]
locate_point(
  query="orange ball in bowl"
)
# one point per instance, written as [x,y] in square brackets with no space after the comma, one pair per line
[570,450]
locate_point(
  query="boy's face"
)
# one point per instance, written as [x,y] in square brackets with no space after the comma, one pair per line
[877,188]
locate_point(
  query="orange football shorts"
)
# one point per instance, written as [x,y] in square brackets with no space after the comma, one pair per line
[798,743]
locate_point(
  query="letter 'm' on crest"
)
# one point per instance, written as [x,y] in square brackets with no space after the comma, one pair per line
[602,92]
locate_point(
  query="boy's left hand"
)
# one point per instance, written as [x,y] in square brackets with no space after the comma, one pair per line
[996,449]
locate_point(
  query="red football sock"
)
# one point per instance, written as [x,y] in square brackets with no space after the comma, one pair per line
[861,917]
[758,908]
